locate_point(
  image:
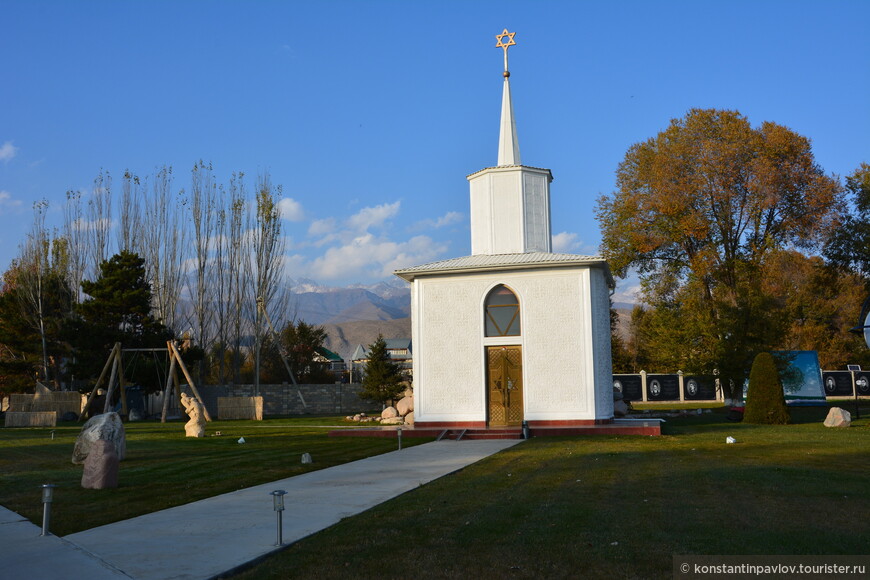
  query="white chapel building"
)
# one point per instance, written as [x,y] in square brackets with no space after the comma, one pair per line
[513,332]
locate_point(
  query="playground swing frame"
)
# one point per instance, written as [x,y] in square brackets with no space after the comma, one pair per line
[116,377]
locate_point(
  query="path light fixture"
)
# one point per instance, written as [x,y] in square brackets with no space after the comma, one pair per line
[278,506]
[47,496]
[399,435]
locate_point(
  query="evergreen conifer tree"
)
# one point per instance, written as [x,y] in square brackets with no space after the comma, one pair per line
[765,401]
[118,310]
[383,377]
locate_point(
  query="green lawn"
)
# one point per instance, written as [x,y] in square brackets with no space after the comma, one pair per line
[612,507]
[164,468]
[567,507]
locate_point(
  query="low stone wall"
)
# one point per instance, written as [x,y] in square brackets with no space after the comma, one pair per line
[31,419]
[58,401]
[287,399]
[250,408]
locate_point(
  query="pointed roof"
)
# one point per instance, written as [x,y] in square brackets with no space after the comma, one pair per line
[508,144]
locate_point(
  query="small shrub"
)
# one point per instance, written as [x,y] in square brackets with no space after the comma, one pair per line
[765,401]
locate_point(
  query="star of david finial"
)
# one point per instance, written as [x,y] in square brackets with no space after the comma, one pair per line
[505,44]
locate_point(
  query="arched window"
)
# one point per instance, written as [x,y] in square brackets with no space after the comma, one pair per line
[502,313]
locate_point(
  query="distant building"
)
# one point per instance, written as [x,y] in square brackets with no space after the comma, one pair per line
[331,361]
[398,349]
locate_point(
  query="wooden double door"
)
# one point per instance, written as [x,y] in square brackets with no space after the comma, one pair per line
[505,385]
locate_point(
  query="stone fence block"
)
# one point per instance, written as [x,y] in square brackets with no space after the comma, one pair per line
[250,408]
[31,419]
[60,402]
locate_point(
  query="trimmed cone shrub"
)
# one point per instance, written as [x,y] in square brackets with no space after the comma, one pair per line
[765,401]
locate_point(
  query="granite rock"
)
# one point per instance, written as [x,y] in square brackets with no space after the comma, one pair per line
[405,406]
[108,427]
[838,417]
[101,466]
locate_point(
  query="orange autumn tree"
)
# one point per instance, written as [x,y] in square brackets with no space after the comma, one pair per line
[697,212]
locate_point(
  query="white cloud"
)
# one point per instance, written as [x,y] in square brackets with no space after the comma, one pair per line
[565,242]
[322,227]
[7,201]
[628,289]
[7,151]
[626,293]
[290,210]
[369,217]
[568,242]
[449,218]
[369,257]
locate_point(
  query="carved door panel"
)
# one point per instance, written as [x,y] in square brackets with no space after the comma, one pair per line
[505,385]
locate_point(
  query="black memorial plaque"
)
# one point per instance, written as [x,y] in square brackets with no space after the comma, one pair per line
[699,387]
[837,383]
[630,387]
[662,388]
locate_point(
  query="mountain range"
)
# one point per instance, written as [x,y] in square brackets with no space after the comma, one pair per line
[353,314]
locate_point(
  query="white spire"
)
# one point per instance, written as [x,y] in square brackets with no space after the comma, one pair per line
[508,145]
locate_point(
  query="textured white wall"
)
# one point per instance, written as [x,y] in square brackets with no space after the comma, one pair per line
[601,341]
[510,211]
[560,319]
[536,190]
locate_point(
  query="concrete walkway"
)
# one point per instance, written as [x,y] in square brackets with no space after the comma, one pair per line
[212,536]
[25,555]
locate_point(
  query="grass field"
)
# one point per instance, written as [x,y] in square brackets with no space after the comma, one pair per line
[567,507]
[164,468]
[612,507]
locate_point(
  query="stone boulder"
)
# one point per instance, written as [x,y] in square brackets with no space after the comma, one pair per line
[838,417]
[389,413]
[101,466]
[392,421]
[405,406]
[620,409]
[135,415]
[409,418]
[105,427]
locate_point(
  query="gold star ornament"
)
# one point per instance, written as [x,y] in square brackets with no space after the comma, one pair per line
[501,39]
[505,41]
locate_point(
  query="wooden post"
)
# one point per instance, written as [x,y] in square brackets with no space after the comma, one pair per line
[122,382]
[97,384]
[168,389]
[187,376]
[177,385]
[116,352]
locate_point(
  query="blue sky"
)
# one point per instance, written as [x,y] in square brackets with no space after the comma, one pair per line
[371,114]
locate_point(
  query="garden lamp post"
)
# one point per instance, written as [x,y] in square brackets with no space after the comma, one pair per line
[278,506]
[47,496]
